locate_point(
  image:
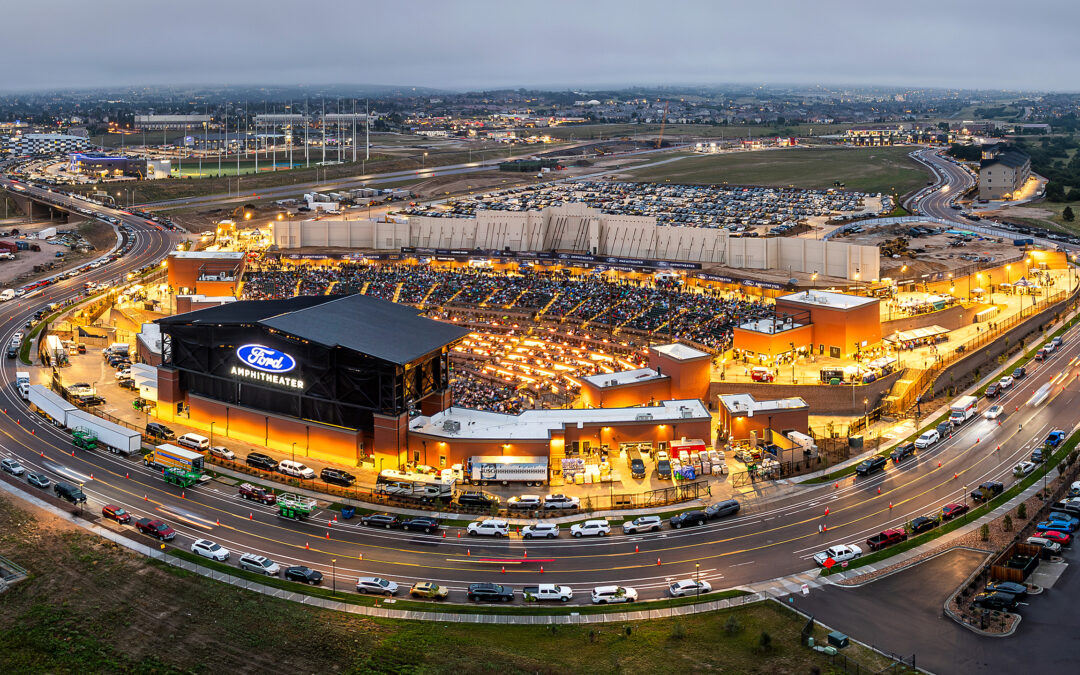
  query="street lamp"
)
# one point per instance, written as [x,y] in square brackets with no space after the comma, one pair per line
[333,575]
[423,164]
[294,451]
[697,579]
[212,433]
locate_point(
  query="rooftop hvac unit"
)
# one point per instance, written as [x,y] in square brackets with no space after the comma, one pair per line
[612,383]
[451,426]
[642,417]
[686,412]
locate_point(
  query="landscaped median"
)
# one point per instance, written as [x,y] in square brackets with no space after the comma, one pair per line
[345,583]
[974,514]
[1021,360]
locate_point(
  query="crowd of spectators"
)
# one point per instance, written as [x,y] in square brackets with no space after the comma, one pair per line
[506,367]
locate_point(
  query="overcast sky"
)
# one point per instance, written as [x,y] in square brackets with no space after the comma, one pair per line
[462,44]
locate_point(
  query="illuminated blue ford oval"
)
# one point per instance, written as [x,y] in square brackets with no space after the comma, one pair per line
[266,359]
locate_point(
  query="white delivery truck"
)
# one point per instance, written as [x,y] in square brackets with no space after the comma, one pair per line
[962,410]
[50,403]
[115,438]
[22,384]
[487,469]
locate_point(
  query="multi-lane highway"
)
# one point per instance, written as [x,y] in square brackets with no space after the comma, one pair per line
[952,180]
[767,539]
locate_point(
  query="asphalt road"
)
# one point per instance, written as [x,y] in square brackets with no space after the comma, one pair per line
[765,541]
[952,181]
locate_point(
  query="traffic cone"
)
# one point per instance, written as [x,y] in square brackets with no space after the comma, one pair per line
[977,441]
[335,517]
[250,517]
[525,554]
[144,498]
[826,510]
[329,523]
[182,495]
[72,453]
[504,569]
[658,561]
[837,484]
[939,465]
[879,490]
[218,521]
[541,569]
[636,549]
[444,534]
[126,474]
[360,557]
[824,528]
[43,454]
[955,476]
[306,547]
[890,506]
[33,432]
[468,551]
[459,534]
[91,476]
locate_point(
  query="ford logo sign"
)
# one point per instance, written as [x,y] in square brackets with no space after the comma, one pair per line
[265,358]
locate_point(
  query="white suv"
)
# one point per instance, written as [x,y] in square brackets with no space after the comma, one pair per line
[927,439]
[524,502]
[295,469]
[260,564]
[642,524]
[376,585]
[561,502]
[546,530]
[597,528]
[489,528]
[209,549]
[602,595]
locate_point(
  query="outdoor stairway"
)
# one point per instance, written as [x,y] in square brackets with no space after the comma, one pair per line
[660,329]
[514,301]
[363,291]
[451,298]
[397,291]
[547,306]
[572,310]
[428,294]
[485,301]
[330,287]
[601,312]
[296,291]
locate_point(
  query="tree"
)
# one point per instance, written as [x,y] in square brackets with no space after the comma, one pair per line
[1055,191]
[1068,214]
[1021,511]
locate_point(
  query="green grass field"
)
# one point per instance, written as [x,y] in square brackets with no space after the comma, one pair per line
[1055,221]
[867,169]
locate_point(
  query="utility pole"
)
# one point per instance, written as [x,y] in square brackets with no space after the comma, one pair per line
[354,131]
[367,133]
[307,124]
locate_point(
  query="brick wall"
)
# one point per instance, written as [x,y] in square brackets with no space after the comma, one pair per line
[835,399]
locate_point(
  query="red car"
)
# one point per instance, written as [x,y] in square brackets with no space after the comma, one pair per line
[1062,538]
[951,511]
[114,512]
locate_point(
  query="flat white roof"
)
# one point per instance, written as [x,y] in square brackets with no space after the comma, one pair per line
[539,425]
[827,299]
[623,377]
[746,403]
[769,326]
[679,351]
[208,255]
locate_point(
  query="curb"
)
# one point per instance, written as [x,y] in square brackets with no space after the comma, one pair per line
[571,618]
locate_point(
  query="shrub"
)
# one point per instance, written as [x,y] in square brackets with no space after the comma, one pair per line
[1071,457]
[765,641]
[1021,511]
[984,532]
[1006,523]
[732,626]
[678,631]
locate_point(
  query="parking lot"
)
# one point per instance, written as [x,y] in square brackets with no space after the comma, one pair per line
[903,613]
[736,208]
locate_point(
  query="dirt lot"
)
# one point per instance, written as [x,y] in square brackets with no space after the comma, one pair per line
[934,254]
[20,271]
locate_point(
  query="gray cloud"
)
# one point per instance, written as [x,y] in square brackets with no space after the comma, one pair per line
[469,44]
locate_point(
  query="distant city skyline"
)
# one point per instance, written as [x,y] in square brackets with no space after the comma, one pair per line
[469,45]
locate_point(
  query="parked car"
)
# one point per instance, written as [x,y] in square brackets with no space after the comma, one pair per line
[1005,382]
[602,595]
[154,528]
[950,511]
[485,591]
[1048,546]
[728,507]
[839,553]
[1059,525]
[160,431]
[385,520]
[1070,505]
[69,492]
[1063,538]
[492,527]
[987,490]
[642,524]
[1019,372]
[210,549]
[591,528]
[1011,587]
[475,498]
[685,587]
[872,465]
[260,564]
[422,523]
[337,477]
[1055,438]
[12,466]
[526,502]
[1037,455]
[38,480]
[993,390]
[688,519]
[114,512]
[261,461]
[295,469]
[430,590]
[376,585]
[559,501]
[540,531]
[902,451]
[221,452]
[927,439]
[995,600]
[304,575]
[1023,468]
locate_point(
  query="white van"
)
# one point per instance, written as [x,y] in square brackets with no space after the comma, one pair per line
[194,441]
[7,294]
[295,469]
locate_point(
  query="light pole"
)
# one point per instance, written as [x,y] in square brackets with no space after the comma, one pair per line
[333,575]
[294,451]
[423,164]
[212,433]
[697,579]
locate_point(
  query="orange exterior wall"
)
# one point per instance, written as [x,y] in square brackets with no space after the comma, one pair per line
[772,344]
[627,395]
[834,327]
[689,377]
[740,426]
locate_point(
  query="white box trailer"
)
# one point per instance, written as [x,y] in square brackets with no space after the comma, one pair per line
[52,404]
[117,439]
[500,469]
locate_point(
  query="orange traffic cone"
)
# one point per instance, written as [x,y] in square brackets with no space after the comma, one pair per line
[525,554]
[824,528]
[72,453]
[126,474]
[144,498]
[879,490]
[218,521]
[33,432]
[826,510]
[328,535]
[890,505]
[182,495]
[541,569]
[635,548]
[939,465]
[360,557]
[91,476]
[306,547]
[837,484]
[459,534]
[658,561]
[444,534]
[250,517]
[504,569]
[468,551]
[955,476]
